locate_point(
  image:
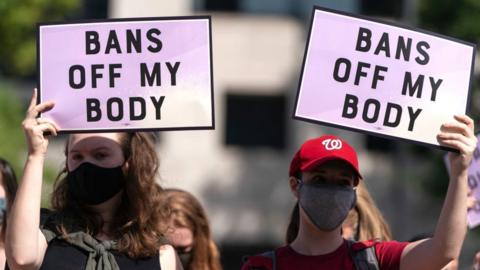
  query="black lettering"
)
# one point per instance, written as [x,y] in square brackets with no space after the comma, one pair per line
[91,38]
[150,77]
[403,49]
[71,76]
[407,85]
[435,85]
[155,40]
[363,40]
[398,116]
[138,100]
[110,103]
[93,106]
[134,41]
[422,46]
[112,43]
[346,74]
[96,75]
[383,45]
[173,72]
[350,102]
[113,74]
[377,76]
[360,72]
[366,109]
[158,105]
[413,116]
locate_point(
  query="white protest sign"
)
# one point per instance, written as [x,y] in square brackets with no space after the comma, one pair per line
[128,74]
[382,79]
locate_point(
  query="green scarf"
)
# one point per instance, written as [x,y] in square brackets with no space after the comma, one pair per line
[99,255]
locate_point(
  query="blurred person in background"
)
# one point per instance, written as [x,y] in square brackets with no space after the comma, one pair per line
[190,233]
[323,176]
[8,188]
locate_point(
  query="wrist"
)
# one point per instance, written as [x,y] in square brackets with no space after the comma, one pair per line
[36,156]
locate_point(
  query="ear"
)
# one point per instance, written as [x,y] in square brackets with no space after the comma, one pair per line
[293,183]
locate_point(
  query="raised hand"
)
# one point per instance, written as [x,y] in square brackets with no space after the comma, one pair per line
[459,135]
[36,128]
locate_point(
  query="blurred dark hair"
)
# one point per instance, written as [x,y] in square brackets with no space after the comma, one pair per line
[8,180]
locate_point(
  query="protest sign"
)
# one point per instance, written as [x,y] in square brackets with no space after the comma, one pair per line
[473,216]
[127,74]
[382,79]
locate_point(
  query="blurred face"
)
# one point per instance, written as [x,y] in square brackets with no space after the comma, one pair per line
[181,239]
[101,149]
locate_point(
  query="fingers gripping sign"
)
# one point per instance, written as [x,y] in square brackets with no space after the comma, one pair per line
[459,135]
[36,128]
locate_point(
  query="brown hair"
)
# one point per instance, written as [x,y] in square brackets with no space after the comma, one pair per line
[8,180]
[140,226]
[187,212]
[365,218]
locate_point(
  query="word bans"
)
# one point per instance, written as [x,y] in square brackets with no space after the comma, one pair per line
[371,112]
[114,108]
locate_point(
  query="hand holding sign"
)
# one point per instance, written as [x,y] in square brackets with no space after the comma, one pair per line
[459,135]
[473,200]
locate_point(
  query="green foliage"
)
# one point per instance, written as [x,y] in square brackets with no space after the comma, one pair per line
[456,18]
[11,134]
[18,31]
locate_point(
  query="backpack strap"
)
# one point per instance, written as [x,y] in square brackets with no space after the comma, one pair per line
[364,259]
[271,255]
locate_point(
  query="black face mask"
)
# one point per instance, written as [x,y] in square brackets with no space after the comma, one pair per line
[92,184]
[185,259]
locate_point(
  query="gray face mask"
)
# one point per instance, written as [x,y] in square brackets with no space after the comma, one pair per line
[327,205]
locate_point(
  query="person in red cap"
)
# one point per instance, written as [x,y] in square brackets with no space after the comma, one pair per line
[323,177]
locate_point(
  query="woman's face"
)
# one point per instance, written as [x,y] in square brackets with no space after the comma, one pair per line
[101,149]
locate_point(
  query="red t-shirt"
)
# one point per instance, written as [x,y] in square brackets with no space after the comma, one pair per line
[388,256]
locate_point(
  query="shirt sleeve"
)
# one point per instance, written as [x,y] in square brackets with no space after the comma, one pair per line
[389,254]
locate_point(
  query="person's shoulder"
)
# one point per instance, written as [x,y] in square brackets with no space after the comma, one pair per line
[264,260]
[356,246]
[377,244]
[257,262]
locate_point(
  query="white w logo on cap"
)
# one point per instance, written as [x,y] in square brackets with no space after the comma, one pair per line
[332,144]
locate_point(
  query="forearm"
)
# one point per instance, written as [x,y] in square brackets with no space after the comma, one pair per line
[451,227]
[22,242]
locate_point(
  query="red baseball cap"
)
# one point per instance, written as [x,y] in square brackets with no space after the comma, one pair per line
[319,150]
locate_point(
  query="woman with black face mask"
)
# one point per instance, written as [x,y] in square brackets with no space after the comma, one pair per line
[189,232]
[323,177]
[106,214]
